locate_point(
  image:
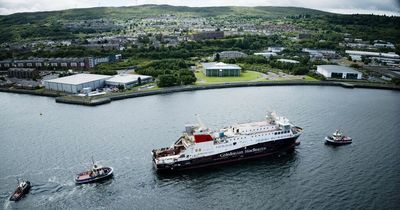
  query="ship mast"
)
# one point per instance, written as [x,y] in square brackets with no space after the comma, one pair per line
[200,121]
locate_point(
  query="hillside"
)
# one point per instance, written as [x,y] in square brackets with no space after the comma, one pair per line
[23,26]
[78,23]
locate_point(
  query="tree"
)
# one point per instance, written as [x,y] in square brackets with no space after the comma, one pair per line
[120,87]
[354,65]
[217,57]
[166,80]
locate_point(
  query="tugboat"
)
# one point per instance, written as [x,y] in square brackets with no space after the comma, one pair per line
[338,138]
[95,174]
[22,189]
[200,146]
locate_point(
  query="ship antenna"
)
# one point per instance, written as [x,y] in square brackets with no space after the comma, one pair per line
[199,121]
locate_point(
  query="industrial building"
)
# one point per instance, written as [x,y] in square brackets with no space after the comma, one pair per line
[288,61]
[384,57]
[266,54]
[340,72]
[275,49]
[214,69]
[128,80]
[318,54]
[230,55]
[75,83]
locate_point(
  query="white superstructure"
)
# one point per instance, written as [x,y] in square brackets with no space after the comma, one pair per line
[200,142]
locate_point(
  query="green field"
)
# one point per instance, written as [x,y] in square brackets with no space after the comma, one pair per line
[244,77]
[308,78]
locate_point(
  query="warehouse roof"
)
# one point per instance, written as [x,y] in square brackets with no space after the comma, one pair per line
[79,79]
[366,53]
[288,61]
[127,78]
[340,69]
[214,65]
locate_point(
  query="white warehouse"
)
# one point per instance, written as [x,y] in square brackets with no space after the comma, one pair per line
[128,80]
[340,72]
[75,83]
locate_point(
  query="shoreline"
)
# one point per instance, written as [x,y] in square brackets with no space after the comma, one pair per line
[86,101]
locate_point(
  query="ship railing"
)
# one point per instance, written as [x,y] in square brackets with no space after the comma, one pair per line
[296,129]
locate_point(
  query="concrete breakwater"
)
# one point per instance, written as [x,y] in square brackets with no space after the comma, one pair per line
[87,101]
[30,92]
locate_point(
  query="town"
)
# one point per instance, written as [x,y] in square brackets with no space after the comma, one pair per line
[255,104]
[100,56]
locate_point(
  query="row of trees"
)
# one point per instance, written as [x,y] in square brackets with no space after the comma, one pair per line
[169,72]
[301,68]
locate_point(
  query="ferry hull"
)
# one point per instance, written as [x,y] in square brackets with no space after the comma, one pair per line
[250,152]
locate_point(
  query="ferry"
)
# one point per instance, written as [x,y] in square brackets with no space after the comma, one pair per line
[200,146]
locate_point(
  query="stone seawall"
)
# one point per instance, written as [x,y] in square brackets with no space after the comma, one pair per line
[114,97]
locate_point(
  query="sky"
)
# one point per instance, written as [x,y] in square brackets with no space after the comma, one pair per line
[388,7]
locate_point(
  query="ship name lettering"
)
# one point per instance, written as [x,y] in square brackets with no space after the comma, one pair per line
[255,150]
[231,154]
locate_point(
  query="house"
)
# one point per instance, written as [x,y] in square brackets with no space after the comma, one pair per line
[207,35]
[23,73]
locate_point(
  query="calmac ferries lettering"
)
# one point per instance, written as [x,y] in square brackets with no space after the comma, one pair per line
[243,152]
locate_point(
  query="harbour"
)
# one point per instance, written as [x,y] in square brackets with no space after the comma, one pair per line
[49,149]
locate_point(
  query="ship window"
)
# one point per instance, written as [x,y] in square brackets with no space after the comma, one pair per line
[234,143]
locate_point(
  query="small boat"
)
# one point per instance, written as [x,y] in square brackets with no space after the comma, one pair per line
[338,138]
[95,174]
[22,189]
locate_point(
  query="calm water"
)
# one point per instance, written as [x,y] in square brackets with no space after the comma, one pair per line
[49,149]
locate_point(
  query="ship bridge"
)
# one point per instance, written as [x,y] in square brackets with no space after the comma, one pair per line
[250,128]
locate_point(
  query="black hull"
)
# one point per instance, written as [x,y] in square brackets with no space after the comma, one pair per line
[95,179]
[25,191]
[337,143]
[251,152]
